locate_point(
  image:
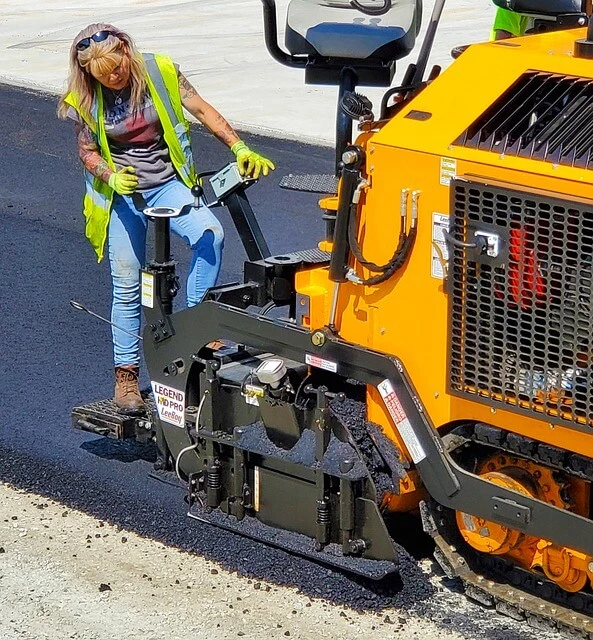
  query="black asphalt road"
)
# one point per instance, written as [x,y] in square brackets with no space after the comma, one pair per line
[53,357]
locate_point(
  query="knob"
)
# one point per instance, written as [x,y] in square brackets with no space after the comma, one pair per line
[197,191]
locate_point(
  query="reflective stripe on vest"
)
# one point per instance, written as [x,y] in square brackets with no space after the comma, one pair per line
[163,86]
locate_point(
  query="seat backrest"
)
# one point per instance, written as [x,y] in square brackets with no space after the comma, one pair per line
[541,7]
[335,29]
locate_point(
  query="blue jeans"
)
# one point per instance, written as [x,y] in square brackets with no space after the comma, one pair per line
[127,253]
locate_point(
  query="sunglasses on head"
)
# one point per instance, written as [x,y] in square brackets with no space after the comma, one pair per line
[85,43]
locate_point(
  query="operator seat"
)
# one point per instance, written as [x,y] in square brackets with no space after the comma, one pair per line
[335,35]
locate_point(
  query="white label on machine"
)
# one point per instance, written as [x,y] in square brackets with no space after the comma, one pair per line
[320,363]
[256,488]
[147,290]
[396,411]
[439,249]
[170,403]
[448,170]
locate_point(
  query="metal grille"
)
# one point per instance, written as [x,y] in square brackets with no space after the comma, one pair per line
[521,329]
[313,256]
[543,116]
[313,183]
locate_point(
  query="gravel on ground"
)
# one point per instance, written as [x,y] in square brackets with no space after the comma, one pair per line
[65,574]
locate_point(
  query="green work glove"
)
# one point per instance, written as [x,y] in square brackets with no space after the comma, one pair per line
[124,181]
[250,163]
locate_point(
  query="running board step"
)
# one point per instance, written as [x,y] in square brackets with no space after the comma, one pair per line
[311,182]
[307,256]
[103,418]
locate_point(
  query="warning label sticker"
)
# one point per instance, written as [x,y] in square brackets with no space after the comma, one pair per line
[396,411]
[320,363]
[170,403]
[448,170]
[439,250]
[147,290]
[251,393]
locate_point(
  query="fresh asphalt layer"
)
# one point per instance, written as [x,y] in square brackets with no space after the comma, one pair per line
[54,357]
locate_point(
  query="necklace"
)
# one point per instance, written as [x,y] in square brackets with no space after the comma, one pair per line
[118,99]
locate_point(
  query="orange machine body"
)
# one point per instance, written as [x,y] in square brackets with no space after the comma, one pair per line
[407,316]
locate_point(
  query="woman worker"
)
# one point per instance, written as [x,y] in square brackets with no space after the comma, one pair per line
[134,143]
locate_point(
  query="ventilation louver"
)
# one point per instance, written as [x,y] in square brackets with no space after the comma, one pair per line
[543,116]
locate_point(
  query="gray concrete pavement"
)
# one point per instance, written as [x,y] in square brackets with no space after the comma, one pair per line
[219,46]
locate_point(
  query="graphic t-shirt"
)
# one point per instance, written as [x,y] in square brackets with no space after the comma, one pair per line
[135,138]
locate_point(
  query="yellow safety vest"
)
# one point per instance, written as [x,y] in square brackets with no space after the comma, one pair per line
[163,86]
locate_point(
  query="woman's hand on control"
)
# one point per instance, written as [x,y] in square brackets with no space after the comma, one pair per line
[250,163]
[124,182]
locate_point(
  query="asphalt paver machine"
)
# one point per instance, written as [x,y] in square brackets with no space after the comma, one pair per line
[433,355]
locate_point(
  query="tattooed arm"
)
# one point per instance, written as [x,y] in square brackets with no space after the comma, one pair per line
[89,153]
[206,113]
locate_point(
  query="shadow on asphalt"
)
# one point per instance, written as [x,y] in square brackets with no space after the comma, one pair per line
[120,450]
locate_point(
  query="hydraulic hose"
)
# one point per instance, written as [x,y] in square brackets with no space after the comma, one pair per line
[338,264]
[357,252]
[396,263]
[345,234]
[191,447]
[400,255]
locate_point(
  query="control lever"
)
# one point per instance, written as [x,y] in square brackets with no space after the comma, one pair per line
[323,391]
[480,244]
[229,187]
[197,192]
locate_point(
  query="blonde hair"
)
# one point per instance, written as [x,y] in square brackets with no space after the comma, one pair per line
[100,58]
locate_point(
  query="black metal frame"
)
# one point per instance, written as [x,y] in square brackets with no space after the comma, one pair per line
[335,516]
[446,482]
[345,73]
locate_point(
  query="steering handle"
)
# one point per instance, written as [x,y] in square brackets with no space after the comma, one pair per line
[372,11]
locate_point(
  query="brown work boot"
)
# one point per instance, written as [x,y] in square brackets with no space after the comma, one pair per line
[127,394]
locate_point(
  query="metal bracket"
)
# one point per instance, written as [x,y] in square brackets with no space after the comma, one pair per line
[492,242]
[511,511]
